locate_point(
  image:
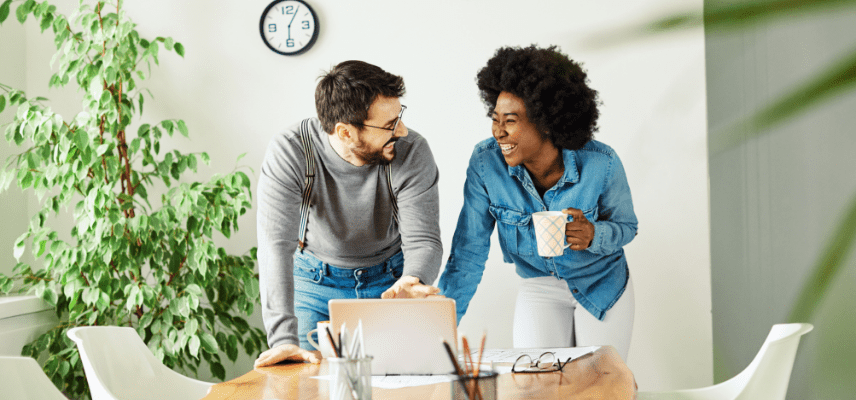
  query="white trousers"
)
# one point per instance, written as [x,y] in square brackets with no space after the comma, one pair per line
[548,315]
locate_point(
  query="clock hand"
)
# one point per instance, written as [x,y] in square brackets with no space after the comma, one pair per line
[292,18]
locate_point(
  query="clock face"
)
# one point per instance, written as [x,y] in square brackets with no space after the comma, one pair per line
[289,27]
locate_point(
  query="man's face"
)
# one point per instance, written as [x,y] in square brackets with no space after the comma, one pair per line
[374,143]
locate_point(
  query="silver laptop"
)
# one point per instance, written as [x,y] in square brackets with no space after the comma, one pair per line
[403,335]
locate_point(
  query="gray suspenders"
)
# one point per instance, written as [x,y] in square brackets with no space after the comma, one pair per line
[309,155]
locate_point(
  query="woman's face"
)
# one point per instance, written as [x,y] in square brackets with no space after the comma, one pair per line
[519,139]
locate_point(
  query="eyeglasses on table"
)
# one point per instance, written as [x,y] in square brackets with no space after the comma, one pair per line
[546,362]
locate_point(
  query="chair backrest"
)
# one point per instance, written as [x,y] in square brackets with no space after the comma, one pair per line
[768,375]
[119,366]
[21,378]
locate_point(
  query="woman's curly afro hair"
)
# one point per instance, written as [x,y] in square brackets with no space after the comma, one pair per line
[553,88]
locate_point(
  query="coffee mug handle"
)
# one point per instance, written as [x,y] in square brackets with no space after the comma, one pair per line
[312,342]
[568,218]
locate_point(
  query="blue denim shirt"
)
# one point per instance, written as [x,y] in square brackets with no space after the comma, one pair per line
[496,194]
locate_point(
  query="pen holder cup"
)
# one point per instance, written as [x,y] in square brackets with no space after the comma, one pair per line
[469,387]
[350,378]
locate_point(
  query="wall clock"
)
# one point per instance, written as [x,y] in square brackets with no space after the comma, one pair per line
[289,27]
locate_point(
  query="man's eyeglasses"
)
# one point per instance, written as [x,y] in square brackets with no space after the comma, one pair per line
[546,362]
[394,126]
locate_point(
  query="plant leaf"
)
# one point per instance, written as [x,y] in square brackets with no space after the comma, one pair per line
[5,284]
[717,16]
[182,127]
[47,20]
[835,79]
[209,344]
[20,246]
[827,267]
[218,371]
[21,12]
[191,327]
[179,48]
[193,346]
[4,12]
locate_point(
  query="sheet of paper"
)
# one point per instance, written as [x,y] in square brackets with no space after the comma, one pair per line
[511,355]
[401,381]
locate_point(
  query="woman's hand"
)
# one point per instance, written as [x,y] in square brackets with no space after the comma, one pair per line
[580,232]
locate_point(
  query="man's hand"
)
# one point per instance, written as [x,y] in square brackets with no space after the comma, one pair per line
[580,231]
[408,287]
[286,352]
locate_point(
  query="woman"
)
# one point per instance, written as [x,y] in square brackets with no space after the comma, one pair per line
[543,157]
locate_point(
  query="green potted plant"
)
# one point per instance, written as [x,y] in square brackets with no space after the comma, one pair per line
[132,260]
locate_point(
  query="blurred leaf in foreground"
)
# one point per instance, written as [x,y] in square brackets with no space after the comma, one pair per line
[832,260]
[836,79]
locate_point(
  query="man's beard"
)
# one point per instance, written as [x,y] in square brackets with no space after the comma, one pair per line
[375,157]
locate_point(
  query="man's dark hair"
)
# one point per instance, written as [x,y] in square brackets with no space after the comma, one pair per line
[553,88]
[346,92]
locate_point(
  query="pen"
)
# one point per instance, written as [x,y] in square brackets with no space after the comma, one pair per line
[454,361]
[333,342]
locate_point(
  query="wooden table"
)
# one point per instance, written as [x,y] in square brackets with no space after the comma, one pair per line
[599,375]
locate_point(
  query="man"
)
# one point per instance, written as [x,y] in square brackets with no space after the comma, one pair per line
[353,244]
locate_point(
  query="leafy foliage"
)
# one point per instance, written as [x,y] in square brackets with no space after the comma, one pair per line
[127,263]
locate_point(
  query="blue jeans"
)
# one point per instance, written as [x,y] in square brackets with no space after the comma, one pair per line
[316,282]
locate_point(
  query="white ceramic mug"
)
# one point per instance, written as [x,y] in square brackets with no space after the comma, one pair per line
[323,343]
[550,232]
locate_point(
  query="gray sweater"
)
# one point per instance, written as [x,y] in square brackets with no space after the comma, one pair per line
[350,219]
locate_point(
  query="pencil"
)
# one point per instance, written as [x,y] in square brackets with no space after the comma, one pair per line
[481,351]
[478,364]
[468,362]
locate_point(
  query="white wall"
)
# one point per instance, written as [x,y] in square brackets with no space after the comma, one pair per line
[13,203]
[235,94]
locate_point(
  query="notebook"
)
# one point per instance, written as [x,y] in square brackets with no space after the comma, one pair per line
[403,335]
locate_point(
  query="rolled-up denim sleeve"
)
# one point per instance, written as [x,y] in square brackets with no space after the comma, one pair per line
[470,243]
[616,225]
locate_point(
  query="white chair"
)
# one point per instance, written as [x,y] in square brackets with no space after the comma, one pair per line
[119,366]
[766,377]
[21,378]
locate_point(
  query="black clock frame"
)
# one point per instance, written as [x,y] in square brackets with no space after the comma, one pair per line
[311,40]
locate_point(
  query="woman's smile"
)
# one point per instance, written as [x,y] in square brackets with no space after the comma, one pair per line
[507,148]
